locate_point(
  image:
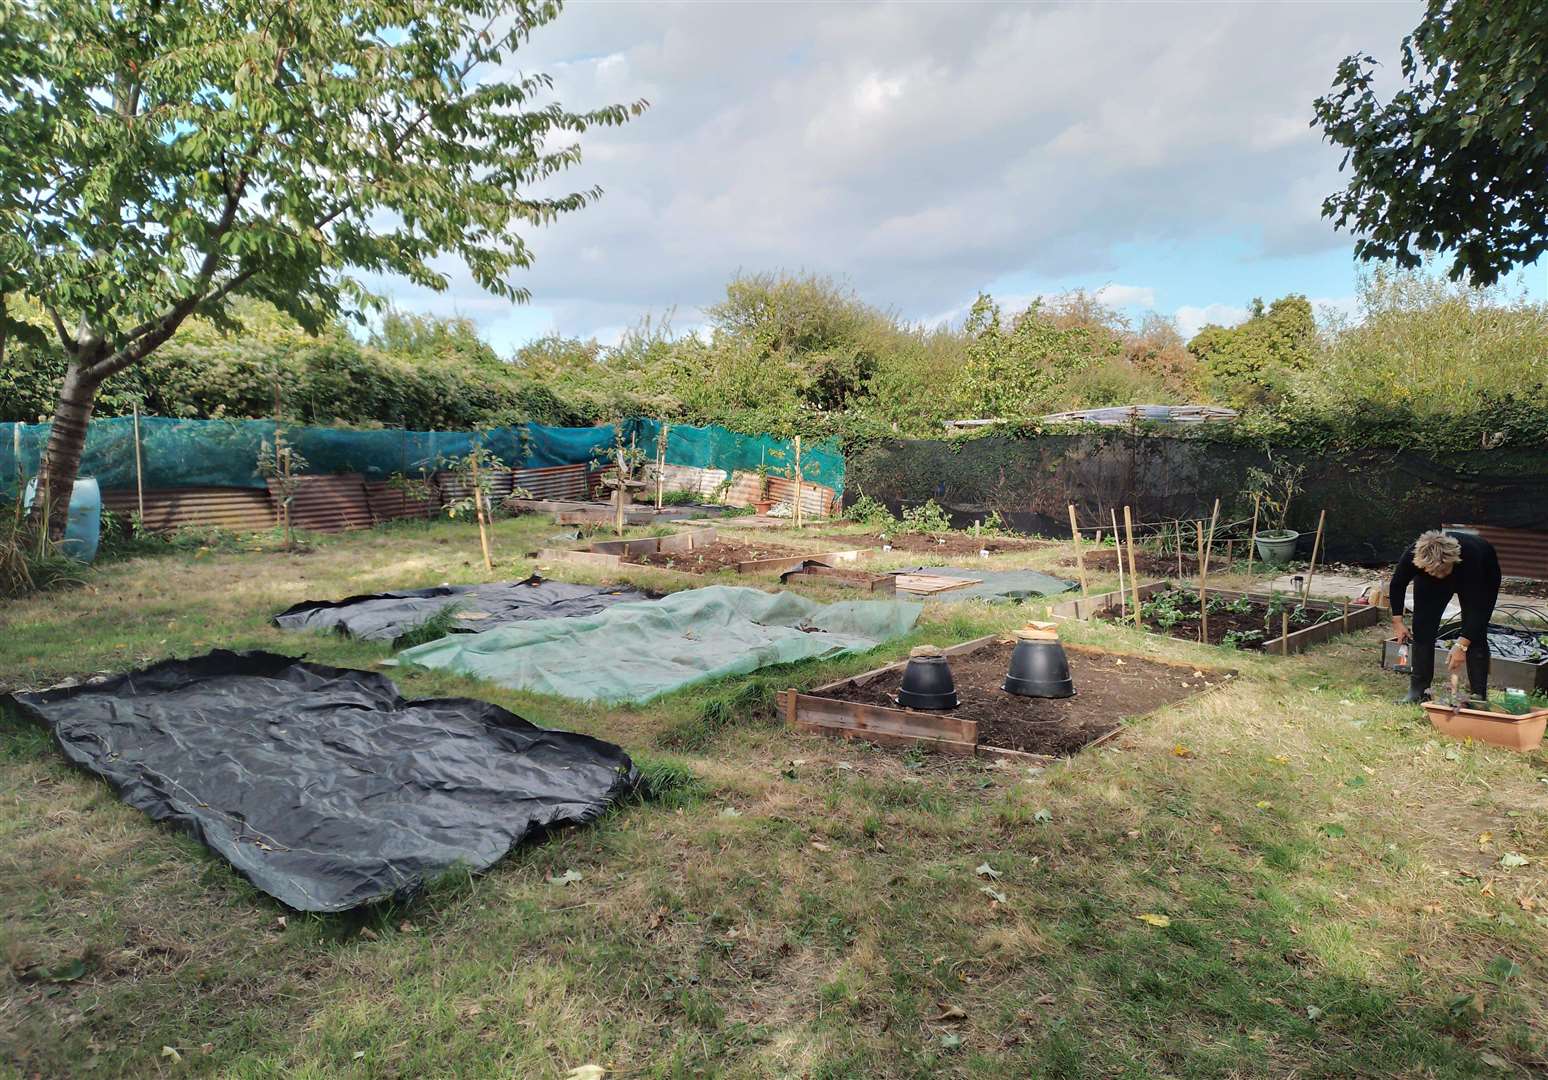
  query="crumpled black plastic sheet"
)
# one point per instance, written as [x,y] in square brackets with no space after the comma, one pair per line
[1507,643]
[388,616]
[323,786]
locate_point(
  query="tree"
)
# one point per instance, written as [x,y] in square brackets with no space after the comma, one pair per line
[161,159]
[1248,363]
[1457,160]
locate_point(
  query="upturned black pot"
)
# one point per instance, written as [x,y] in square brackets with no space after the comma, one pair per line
[927,681]
[1039,668]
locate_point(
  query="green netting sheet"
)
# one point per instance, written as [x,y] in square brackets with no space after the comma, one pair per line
[631,653]
[716,447]
[224,453]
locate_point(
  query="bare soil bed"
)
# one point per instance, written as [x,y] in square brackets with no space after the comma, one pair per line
[721,555]
[1107,689]
[1241,624]
[940,543]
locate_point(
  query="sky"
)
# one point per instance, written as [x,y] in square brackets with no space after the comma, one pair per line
[1159,154]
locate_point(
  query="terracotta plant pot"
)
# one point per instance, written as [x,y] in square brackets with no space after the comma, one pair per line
[763,506]
[1523,732]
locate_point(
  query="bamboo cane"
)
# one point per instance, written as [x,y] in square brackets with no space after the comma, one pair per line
[1252,544]
[1080,560]
[1178,523]
[1123,596]
[1128,528]
[1316,547]
[139,468]
[796,506]
[286,490]
[1203,610]
[661,463]
[478,512]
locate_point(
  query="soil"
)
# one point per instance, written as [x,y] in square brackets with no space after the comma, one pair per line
[721,555]
[1148,564]
[1221,623]
[1526,587]
[1108,688]
[939,543]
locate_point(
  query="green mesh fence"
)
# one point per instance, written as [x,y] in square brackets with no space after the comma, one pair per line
[224,453]
[717,448]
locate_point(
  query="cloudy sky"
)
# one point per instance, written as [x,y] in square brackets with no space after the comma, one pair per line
[923,151]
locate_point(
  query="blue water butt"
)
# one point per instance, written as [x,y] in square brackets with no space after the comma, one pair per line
[83,528]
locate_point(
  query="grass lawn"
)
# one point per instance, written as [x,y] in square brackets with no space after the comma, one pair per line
[1288,877]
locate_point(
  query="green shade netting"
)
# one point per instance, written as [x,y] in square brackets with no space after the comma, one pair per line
[716,447]
[631,653]
[224,453]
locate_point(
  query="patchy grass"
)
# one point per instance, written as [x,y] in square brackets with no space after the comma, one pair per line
[1322,878]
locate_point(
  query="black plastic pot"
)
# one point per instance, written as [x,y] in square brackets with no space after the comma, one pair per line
[927,683]
[1039,669]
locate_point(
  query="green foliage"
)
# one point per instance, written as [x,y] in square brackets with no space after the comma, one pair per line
[1166,609]
[1242,639]
[434,628]
[1454,161]
[1274,490]
[871,513]
[927,517]
[1251,363]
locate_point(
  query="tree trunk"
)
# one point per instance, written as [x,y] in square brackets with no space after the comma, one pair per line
[66,442]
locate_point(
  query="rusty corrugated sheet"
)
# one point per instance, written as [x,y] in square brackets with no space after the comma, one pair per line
[237,509]
[1522,552]
[389,502]
[554,481]
[328,503]
[454,487]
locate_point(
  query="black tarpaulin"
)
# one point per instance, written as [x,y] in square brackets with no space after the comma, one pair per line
[387,616]
[323,786]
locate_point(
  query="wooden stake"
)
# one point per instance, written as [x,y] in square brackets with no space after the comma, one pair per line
[283,460]
[1080,560]
[661,442]
[1252,544]
[1123,596]
[1178,523]
[796,506]
[1128,528]
[1316,547]
[1284,633]
[1346,616]
[139,467]
[1203,581]
[478,512]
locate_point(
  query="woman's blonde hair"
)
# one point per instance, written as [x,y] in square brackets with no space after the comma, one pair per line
[1436,553]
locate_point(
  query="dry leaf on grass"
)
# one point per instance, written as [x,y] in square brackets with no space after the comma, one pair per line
[1160,921]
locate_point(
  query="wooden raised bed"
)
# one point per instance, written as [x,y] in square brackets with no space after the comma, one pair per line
[1351,617]
[816,573]
[615,554]
[818,711]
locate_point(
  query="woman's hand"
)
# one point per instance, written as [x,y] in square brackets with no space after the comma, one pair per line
[1400,630]
[1457,658]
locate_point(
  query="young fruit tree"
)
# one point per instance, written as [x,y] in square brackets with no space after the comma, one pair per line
[159,159]
[1457,159]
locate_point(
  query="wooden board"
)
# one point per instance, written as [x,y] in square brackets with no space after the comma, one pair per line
[780,565]
[930,584]
[831,575]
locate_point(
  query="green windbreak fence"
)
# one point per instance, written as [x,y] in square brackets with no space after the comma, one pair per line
[718,448]
[224,453]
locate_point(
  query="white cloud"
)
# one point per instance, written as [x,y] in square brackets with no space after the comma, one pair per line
[1126,296]
[1190,320]
[922,151]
